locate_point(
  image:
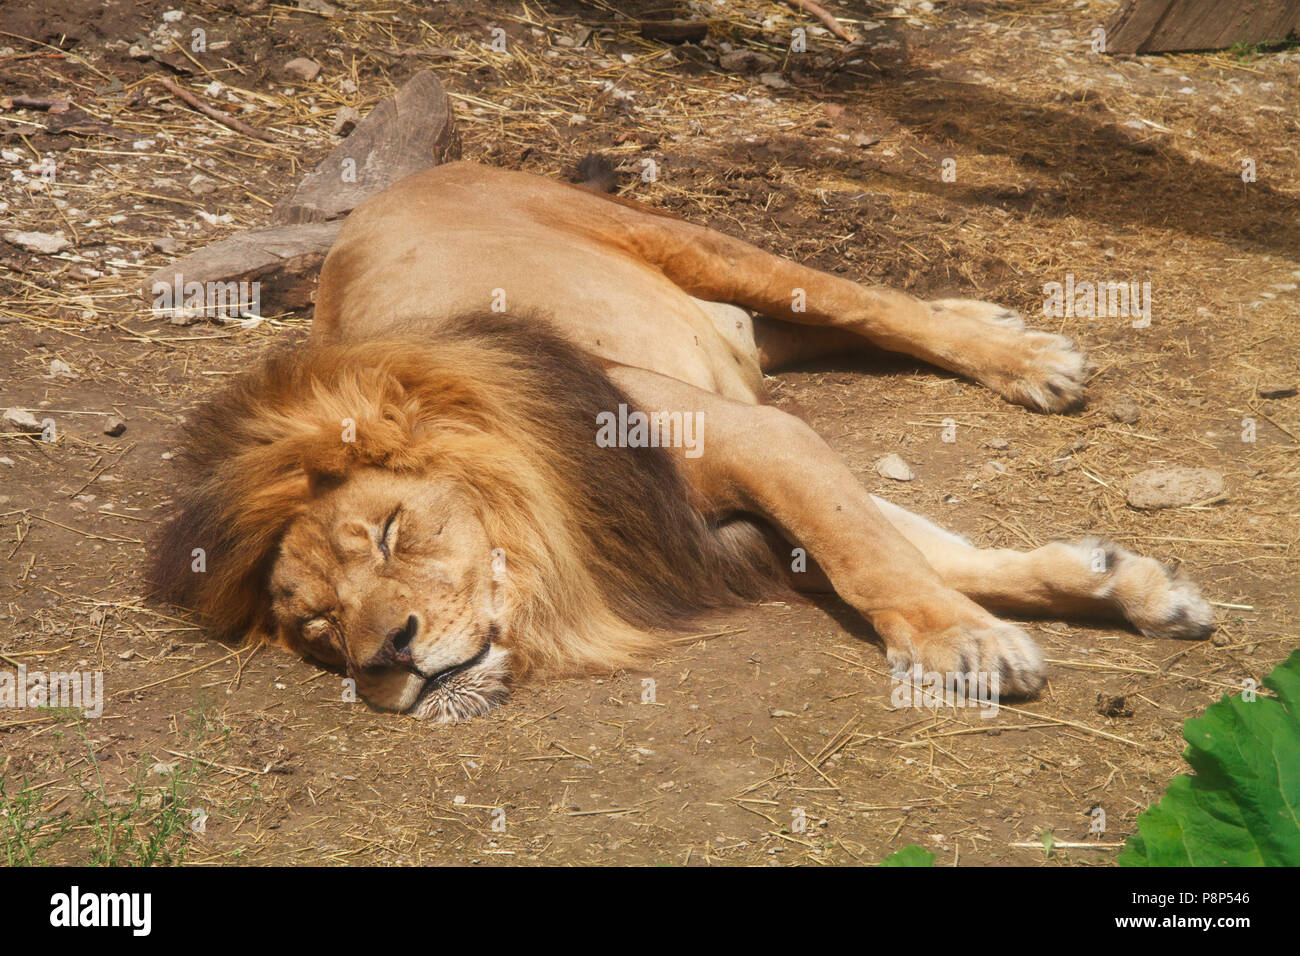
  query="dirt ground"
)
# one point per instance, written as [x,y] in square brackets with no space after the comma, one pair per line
[772,738]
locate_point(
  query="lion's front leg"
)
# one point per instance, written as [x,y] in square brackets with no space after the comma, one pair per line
[761,460]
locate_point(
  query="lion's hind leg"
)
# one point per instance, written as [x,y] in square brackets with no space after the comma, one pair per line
[979,340]
[1089,578]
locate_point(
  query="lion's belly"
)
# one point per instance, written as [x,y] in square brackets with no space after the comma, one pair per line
[612,306]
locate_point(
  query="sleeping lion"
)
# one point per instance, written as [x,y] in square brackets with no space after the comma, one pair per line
[529,426]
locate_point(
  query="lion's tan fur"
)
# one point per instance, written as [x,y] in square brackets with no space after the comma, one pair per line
[608,305]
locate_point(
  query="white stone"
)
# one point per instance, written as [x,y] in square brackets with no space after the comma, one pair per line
[893,467]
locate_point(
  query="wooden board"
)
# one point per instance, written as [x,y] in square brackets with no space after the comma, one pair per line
[409,131]
[1162,26]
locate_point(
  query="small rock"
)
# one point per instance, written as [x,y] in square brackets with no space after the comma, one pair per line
[114,426]
[1123,409]
[345,121]
[41,242]
[22,420]
[1219,639]
[303,68]
[201,185]
[1158,488]
[892,466]
[863,140]
[999,443]
[746,61]
[1276,390]
[318,6]
[774,80]
[7,461]
[166,245]
[60,369]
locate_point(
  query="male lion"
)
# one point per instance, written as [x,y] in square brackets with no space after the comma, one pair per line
[452,485]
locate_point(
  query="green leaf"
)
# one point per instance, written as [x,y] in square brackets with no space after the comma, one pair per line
[1241,807]
[909,856]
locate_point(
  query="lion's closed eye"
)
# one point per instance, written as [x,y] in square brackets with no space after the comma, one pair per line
[388,534]
[314,628]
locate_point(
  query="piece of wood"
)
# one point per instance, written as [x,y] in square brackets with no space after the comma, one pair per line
[1161,26]
[225,119]
[284,261]
[409,131]
[826,17]
[34,103]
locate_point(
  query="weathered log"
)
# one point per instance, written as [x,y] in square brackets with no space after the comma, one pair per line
[271,269]
[409,131]
[1160,26]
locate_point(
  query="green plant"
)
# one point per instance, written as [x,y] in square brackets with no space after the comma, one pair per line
[146,829]
[1243,51]
[147,825]
[1241,807]
[24,835]
[909,856]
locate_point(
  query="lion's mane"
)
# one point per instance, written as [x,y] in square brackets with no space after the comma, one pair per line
[600,543]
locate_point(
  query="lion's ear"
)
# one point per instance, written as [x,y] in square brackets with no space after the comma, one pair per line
[319,482]
[325,464]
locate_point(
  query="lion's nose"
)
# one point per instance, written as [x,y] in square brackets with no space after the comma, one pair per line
[400,638]
[396,649]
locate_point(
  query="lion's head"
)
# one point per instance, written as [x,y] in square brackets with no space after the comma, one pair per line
[392,577]
[435,518]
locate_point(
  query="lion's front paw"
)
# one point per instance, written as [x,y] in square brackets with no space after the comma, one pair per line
[974,643]
[981,311]
[1040,370]
[1049,373]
